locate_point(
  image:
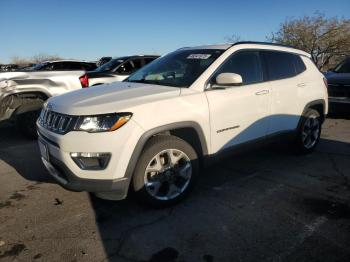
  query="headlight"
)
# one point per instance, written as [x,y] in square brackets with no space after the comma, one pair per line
[102,123]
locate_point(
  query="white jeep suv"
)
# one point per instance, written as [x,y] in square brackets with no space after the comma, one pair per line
[150,133]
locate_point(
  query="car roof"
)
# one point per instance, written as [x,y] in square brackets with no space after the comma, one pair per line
[254,44]
[66,60]
[134,56]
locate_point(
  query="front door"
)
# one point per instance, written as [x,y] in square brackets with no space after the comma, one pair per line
[239,113]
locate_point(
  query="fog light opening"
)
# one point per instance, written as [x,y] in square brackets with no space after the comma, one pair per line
[91,161]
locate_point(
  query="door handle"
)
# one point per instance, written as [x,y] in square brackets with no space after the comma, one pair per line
[262,92]
[301,85]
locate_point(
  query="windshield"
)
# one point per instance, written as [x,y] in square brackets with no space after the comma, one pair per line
[110,66]
[180,68]
[343,67]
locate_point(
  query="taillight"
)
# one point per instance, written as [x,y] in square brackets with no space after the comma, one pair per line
[84,81]
[325,82]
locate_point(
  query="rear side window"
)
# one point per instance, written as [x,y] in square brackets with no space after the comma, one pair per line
[279,64]
[298,64]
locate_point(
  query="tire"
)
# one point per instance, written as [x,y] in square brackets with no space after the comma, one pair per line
[165,171]
[26,124]
[309,132]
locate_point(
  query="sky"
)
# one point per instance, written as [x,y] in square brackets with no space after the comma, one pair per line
[90,29]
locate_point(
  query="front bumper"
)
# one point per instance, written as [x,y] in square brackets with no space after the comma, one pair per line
[61,173]
[111,182]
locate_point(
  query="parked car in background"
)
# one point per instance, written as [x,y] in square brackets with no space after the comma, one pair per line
[339,87]
[118,69]
[8,68]
[22,94]
[150,132]
[62,65]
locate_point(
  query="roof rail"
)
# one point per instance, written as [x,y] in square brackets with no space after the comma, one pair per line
[261,43]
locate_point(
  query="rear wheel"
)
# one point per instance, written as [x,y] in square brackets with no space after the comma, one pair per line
[309,131]
[165,171]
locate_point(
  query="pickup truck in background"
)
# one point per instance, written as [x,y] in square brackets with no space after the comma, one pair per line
[22,94]
[339,87]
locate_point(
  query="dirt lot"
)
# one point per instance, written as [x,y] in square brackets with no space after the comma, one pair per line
[266,205]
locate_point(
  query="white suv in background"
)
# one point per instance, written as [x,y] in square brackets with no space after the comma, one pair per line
[150,133]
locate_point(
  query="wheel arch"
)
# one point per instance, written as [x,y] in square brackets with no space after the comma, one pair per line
[189,131]
[318,105]
[31,100]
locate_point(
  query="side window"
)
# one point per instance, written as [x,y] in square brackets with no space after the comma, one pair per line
[54,66]
[75,66]
[343,67]
[279,64]
[148,60]
[64,66]
[245,63]
[137,64]
[70,66]
[48,67]
[299,64]
[125,68]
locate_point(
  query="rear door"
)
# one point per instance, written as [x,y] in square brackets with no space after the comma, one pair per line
[239,113]
[285,86]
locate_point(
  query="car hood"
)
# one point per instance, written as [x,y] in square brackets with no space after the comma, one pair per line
[110,98]
[13,75]
[338,78]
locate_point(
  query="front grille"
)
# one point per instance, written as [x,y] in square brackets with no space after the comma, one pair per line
[55,122]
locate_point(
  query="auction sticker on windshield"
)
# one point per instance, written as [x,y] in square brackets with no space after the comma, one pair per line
[198,56]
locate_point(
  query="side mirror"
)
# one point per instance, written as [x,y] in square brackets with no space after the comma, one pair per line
[228,79]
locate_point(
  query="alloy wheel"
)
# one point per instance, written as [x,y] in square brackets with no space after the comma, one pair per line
[168,174]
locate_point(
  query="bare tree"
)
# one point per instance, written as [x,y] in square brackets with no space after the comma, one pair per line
[326,39]
[233,38]
[19,60]
[39,58]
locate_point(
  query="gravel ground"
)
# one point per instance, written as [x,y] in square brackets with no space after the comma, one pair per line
[263,205]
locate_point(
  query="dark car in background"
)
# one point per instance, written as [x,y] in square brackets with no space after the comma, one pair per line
[339,87]
[118,69]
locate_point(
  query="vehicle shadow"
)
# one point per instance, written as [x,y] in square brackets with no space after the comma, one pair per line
[130,231]
[22,154]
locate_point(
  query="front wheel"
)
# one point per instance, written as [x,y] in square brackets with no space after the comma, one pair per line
[309,131]
[165,171]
